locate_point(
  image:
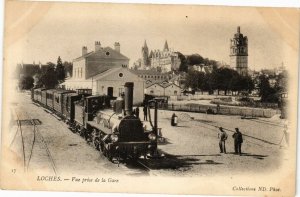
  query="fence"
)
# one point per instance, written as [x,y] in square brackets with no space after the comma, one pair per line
[194,97]
[223,110]
[247,104]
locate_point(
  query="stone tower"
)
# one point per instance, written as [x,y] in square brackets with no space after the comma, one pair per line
[239,52]
[166,47]
[145,54]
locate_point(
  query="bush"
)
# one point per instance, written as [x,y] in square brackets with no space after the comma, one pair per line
[26,83]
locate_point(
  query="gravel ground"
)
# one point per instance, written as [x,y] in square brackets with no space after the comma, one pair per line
[191,148]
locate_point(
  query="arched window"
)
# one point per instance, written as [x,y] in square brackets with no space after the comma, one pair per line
[175,92]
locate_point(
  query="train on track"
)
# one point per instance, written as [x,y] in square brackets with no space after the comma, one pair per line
[105,122]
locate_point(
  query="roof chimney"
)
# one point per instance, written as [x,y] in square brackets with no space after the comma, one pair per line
[238,29]
[84,50]
[97,46]
[117,46]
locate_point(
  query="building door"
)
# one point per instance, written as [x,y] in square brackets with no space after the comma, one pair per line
[110,91]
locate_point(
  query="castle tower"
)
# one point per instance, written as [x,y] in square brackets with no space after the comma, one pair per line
[239,52]
[166,47]
[145,54]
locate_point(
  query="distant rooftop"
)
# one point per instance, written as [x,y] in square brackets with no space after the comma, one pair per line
[147,72]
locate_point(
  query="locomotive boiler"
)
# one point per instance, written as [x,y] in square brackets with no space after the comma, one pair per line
[117,132]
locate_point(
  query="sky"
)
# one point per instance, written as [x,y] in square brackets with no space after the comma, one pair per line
[41,32]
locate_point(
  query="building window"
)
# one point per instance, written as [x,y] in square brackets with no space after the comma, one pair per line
[107,53]
[151,92]
[175,92]
[121,75]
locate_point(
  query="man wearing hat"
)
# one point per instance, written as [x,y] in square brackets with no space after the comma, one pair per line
[222,135]
[238,140]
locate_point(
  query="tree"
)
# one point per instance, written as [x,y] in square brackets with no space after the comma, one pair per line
[266,92]
[194,59]
[48,76]
[60,70]
[242,83]
[183,67]
[222,79]
[191,80]
[26,82]
[68,68]
[247,83]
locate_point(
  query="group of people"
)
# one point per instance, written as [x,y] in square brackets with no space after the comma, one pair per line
[136,112]
[238,140]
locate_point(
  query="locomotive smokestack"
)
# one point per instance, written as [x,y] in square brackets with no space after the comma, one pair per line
[128,98]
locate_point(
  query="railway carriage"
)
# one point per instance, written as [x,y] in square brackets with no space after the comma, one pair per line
[44,97]
[68,105]
[58,100]
[50,98]
[37,94]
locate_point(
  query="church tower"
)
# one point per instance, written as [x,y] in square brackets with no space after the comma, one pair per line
[239,52]
[145,54]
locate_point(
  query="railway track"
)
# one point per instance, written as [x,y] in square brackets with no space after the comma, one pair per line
[143,166]
[248,136]
[37,136]
[266,122]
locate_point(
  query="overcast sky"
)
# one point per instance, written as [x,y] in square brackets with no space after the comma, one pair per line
[42,32]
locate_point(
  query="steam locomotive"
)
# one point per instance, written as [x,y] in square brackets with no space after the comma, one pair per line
[105,122]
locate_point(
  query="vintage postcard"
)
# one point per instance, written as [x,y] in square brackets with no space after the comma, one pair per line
[145,98]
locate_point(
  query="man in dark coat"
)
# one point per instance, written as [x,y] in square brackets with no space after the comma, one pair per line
[145,110]
[222,135]
[238,140]
[137,112]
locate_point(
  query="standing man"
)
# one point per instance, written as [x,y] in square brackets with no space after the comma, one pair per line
[137,112]
[238,140]
[222,135]
[145,112]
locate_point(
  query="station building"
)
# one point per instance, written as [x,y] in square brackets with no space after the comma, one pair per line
[105,72]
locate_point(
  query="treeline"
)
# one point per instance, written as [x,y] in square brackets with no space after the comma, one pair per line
[47,76]
[224,79]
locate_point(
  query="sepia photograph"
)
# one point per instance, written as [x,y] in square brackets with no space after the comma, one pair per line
[149,98]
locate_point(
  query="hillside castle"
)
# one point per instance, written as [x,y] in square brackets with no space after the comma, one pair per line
[164,60]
